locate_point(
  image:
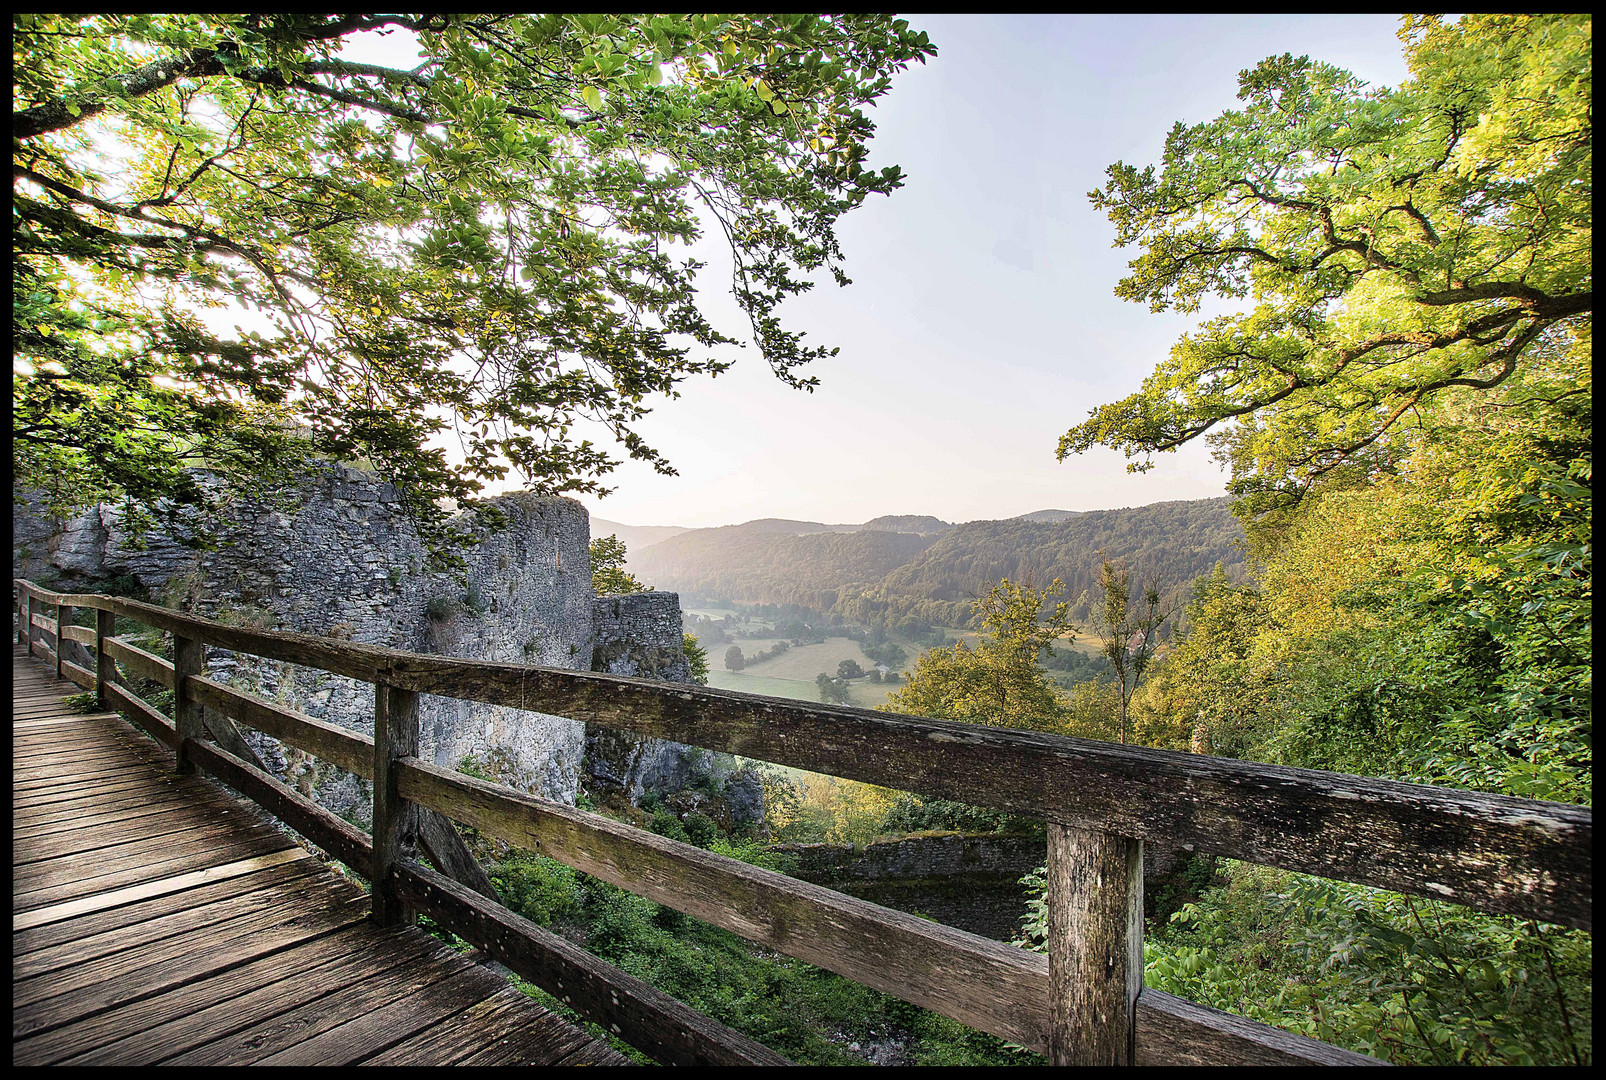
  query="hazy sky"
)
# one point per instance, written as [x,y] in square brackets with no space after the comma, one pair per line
[981,323]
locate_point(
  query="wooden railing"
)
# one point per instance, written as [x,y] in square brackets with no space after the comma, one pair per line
[1082,1003]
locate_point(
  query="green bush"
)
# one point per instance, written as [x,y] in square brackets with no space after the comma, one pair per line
[701,829]
[542,890]
[666,824]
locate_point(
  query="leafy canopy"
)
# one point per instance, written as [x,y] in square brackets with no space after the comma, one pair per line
[608,574]
[484,245]
[1394,245]
[998,681]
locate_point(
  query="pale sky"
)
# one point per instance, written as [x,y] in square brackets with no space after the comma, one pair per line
[981,323]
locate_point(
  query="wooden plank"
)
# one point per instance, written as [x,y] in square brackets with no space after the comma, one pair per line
[383,1027]
[95,768]
[315,900]
[108,735]
[56,879]
[57,722]
[75,819]
[146,1031]
[105,666]
[262,1040]
[62,863]
[84,635]
[351,750]
[40,788]
[451,856]
[90,795]
[598,1053]
[145,716]
[340,657]
[172,927]
[340,838]
[226,735]
[87,1001]
[45,622]
[64,619]
[504,1015]
[103,847]
[68,760]
[1172,1031]
[988,985]
[74,791]
[189,658]
[1095,944]
[176,867]
[66,757]
[158,907]
[651,1021]
[138,662]
[1493,852]
[538,1046]
[80,675]
[84,600]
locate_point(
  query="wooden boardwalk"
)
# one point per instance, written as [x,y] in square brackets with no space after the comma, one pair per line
[158,920]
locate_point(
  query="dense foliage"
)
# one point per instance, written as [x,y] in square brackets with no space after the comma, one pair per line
[1407,415]
[486,240]
[608,574]
[1401,248]
[998,681]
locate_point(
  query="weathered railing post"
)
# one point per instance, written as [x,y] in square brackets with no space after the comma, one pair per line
[189,658]
[64,619]
[105,666]
[1095,944]
[22,615]
[395,737]
[33,631]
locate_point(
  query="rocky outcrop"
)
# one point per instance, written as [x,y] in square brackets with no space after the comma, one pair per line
[340,555]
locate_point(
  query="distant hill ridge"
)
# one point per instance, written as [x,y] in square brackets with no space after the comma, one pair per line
[918,568]
[1049,516]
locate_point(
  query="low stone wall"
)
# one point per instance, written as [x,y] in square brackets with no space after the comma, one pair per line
[970,881]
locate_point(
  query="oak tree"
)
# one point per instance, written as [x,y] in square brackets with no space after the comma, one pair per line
[1394,249]
[488,244]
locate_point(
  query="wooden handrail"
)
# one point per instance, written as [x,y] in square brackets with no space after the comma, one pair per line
[1496,853]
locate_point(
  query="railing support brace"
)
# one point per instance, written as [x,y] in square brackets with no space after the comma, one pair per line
[1095,944]
[395,737]
[189,658]
[105,666]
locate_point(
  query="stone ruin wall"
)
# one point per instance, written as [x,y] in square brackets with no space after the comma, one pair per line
[342,558]
[966,880]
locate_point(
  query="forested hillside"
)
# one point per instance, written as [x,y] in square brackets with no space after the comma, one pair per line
[752,563]
[1169,543]
[886,575]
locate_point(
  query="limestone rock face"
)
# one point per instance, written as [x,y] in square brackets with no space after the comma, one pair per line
[340,555]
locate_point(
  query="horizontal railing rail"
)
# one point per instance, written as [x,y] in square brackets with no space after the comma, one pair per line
[1495,853]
